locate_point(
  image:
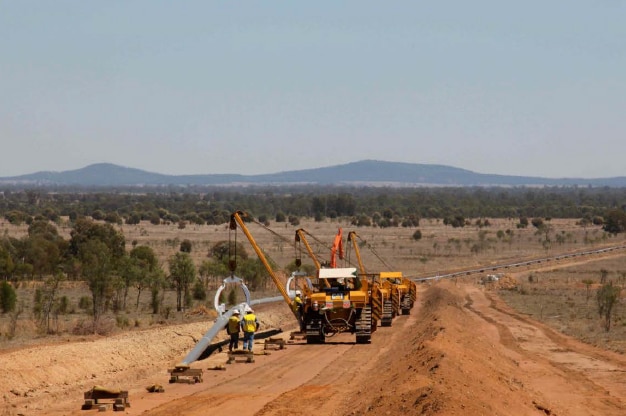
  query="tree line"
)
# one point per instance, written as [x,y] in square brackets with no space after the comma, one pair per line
[367,205]
[96,253]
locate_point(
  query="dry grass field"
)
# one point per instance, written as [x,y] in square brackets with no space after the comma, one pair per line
[565,299]
[557,297]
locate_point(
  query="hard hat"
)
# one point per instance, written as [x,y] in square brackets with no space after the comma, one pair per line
[236,312]
[298,292]
[248,309]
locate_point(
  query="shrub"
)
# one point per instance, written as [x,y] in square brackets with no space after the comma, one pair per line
[199,292]
[155,300]
[8,297]
[185,246]
[607,296]
[84,303]
[37,299]
[64,305]
[122,321]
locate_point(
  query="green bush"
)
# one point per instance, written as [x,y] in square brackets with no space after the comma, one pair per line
[85,303]
[37,300]
[199,292]
[155,300]
[8,297]
[122,321]
[64,305]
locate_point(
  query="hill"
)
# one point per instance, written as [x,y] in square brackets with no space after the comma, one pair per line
[361,173]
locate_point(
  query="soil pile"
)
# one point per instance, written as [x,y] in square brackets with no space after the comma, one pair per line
[445,367]
[33,378]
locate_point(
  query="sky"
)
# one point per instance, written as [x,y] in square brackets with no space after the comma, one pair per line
[533,88]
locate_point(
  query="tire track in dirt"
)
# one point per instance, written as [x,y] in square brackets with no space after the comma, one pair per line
[259,383]
[566,372]
[334,389]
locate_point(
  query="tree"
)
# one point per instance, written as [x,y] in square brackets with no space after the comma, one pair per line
[148,271]
[607,297]
[254,272]
[6,263]
[537,222]
[97,269]
[604,273]
[133,218]
[8,297]
[362,221]
[99,249]
[212,271]
[42,254]
[615,221]
[587,283]
[199,291]
[417,235]
[185,246]
[113,218]
[223,250]
[455,222]
[98,215]
[182,274]
[47,300]
[523,222]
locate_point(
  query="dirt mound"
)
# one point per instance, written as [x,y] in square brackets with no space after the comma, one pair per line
[32,378]
[499,282]
[444,368]
[506,282]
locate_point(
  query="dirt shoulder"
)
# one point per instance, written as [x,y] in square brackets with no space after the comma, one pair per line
[461,351]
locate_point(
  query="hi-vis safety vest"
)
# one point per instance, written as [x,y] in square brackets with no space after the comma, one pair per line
[233,325]
[249,322]
[297,303]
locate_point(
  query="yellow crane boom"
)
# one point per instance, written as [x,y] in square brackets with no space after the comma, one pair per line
[236,219]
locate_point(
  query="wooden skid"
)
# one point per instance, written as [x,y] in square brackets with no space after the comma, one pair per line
[94,398]
[297,336]
[247,355]
[279,343]
[187,375]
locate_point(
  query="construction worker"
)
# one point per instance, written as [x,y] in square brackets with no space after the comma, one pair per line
[297,302]
[249,325]
[298,306]
[232,328]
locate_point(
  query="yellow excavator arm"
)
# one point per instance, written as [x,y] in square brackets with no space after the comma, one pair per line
[236,219]
[352,238]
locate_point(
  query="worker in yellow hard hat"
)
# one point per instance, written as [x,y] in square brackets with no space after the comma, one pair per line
[232,328]
[249,325]
[298,306]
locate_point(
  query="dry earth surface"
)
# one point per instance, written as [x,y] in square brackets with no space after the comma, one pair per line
[462,351]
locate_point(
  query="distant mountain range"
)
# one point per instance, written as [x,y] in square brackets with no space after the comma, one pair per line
[362,173]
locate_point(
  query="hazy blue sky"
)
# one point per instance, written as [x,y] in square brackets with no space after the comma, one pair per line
[188,87]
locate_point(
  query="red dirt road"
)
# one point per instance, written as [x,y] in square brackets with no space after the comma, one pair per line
[460,352]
